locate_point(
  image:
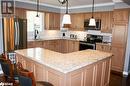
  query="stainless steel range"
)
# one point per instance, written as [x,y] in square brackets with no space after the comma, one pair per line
[90,42]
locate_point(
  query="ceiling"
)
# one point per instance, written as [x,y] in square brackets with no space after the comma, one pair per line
[72,3]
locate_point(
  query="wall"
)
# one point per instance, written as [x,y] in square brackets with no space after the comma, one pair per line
[46,34]
[1,38]
[127,55]
[97,8]
[33,6]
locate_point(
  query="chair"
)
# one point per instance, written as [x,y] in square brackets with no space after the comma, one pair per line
[26,78]
[9,71]
[25,81]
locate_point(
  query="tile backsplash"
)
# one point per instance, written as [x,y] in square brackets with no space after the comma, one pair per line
[50,34]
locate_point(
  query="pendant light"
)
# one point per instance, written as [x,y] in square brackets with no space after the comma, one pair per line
[37,8]
[92,21]
[66,18]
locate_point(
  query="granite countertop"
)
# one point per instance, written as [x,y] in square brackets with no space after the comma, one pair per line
[30,40]
[63,62]
[104,43]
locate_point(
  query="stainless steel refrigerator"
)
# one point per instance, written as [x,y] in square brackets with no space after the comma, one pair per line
[15,33]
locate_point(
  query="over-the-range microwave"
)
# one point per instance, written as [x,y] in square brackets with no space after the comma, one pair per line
[97,27]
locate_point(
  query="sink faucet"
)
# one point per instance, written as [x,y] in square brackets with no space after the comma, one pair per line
[35,34]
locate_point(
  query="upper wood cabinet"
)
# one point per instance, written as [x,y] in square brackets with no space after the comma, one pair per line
[20,13]
[106,22]
[119,35]
[77,22]
[120,15]
[88,15]
[52,21]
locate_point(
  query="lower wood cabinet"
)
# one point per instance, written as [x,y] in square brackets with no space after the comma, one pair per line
[118,58]
[103,47]
[96,74]
[59,45]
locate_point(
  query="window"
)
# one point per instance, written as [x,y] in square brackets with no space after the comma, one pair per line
[34,22]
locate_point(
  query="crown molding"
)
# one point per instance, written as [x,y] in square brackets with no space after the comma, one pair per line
[41,4]
[76,7]
[88,6]
[73,7]
[117,1]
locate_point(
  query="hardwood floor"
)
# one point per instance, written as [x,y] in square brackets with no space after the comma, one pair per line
[117,80]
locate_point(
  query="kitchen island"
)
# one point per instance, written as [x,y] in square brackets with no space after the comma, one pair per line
[81,68]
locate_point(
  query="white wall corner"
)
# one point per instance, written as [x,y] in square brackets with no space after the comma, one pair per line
[1,37]
[125,73]
[127,53]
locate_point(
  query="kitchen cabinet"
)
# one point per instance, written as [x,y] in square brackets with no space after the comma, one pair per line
[106,22]
[95,74]
[119,39]
[38,44]
[58,45]
[73,46]
[30,44]
[64,46]
[121,15]
[20,13]
[97,15]
[77,22]
[118,58]
[52,21]
[103,47]
[87,15]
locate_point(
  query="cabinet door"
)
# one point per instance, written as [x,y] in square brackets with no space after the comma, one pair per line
[52,21]
[39,72]
[45,44]
[56,21]
[107,48]
[64,46]
[106,22]
[76,45]
[76,78]
[29,65]
[99,47]
[117,59]
[88,15]
[77,22]
[73,22]
[90,73]
[121,15]
[30,44]
[99,73]
[38,44]
[70,46]
[119,35]
[107,67]
[97,15]
[46,21]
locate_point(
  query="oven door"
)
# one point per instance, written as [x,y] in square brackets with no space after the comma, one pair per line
[84,46]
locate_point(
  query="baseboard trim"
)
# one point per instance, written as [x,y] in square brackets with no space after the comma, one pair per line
[117,72]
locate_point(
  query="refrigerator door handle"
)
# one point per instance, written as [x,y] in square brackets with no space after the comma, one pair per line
[18,33]
[15,34]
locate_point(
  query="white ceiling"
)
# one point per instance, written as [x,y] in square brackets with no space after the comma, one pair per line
[73,3]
